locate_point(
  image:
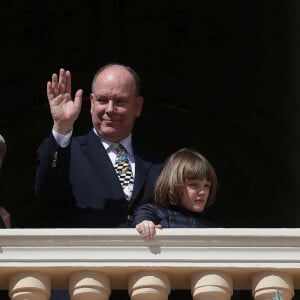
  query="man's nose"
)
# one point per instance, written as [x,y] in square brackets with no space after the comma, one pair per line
[110,107]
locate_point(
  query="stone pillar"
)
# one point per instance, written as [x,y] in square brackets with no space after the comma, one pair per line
[149,286]
[29,286]
[89,285]
[265,285]
[211,285]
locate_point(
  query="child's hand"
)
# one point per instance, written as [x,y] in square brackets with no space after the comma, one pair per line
[147,229]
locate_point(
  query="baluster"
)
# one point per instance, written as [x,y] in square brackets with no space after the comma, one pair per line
[89,285]
[211,286]
[265,285]
[29,286]
[149,286]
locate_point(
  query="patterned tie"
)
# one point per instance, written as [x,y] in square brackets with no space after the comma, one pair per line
[123,169]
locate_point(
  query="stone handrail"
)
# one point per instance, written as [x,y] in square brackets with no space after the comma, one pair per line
[193,259]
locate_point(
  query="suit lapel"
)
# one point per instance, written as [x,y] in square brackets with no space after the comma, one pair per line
[102,166]
[105,173]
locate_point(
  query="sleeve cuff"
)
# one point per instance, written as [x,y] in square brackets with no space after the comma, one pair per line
[62,140]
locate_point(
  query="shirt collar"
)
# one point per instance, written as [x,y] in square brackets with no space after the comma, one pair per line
[126,143]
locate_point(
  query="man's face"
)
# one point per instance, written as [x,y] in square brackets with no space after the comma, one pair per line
[114,105]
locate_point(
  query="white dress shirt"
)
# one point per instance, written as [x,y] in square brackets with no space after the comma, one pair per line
[64,140]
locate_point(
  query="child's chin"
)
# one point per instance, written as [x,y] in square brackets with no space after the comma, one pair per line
[198,209]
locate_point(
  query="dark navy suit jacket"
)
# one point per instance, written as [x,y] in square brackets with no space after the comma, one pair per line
[81,187]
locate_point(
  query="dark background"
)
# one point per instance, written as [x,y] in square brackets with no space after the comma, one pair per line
[218,76]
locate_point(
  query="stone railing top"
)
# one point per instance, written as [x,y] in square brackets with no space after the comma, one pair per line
[240,252]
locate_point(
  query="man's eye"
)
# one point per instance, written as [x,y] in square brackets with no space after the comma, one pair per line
[102,100]
[120,101]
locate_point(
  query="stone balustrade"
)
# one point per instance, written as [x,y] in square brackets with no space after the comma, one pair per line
[89,263]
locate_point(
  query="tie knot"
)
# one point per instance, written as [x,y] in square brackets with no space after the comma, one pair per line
[121,153]
[118,147]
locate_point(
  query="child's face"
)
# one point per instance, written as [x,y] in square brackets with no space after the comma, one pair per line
[195,194]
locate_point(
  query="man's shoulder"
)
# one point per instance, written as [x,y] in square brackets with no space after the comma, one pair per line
[149,153]
[85,138]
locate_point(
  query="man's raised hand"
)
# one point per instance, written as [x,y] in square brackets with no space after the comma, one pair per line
[64,109]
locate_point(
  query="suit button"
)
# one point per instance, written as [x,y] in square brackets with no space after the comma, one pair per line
[54,161]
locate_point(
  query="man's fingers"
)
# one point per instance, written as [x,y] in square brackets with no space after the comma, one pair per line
[68,82]
[54,85]
[50,94]
[78,98]
[62,81]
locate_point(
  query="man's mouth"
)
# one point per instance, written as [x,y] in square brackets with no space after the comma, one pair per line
[109,120]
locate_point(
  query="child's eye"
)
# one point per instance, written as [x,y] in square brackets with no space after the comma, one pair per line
[193,185]
[199,186]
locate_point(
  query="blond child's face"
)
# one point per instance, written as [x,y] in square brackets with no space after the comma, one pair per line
[195,194]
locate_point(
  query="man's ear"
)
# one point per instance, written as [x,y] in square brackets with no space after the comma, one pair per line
[139,105]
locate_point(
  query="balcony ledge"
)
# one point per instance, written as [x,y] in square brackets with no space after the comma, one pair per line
[176,252]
